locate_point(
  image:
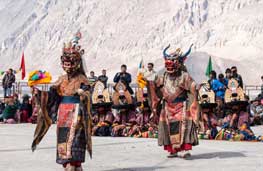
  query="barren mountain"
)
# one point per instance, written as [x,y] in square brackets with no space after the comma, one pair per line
[121,31]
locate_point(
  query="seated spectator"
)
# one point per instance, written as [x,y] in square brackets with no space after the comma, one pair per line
[25,110]
[256,110]
[16,101]
[2,106]
[8,115]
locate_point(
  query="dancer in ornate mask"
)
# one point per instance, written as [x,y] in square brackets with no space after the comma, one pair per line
[179,113]
[70,94]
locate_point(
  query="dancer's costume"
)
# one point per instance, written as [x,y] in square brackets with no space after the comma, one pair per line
[179,113]
[70,95]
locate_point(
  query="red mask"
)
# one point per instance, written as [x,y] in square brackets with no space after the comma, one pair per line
[172,65]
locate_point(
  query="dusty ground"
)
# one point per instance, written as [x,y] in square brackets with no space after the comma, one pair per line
[126,154]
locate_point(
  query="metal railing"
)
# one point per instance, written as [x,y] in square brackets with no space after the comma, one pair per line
[22,88]
[252,90]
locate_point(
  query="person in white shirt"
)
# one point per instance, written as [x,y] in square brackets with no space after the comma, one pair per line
[150,74]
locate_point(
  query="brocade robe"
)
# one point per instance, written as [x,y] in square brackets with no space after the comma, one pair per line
[74,118]
[179,112]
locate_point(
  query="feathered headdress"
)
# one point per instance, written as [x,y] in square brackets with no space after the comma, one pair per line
[73,50]
[73,46]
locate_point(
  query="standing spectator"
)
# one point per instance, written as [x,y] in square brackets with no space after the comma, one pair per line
[216,86]
[8,81]
[223,80]
[125,77]
[103,78]
[228,74]
[236,76]
[150,74]
[92,80]
[219,90]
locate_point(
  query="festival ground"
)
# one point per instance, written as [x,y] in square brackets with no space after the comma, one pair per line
[126,154]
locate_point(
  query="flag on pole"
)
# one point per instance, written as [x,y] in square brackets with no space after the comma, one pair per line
[140,78]
[141,65]
[23,67]
[209,67]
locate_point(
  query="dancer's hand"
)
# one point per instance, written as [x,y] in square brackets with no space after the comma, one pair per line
[80,91]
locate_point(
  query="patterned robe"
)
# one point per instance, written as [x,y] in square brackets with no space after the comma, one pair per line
[179,112]
[74,118]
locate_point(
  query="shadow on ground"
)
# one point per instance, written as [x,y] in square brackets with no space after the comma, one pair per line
[226,154]
[25,149]
[137,169]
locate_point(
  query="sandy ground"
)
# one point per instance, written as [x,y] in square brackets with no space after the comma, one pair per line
[126,154]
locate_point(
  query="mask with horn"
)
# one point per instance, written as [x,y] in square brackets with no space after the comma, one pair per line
[71,61]
[174,60]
